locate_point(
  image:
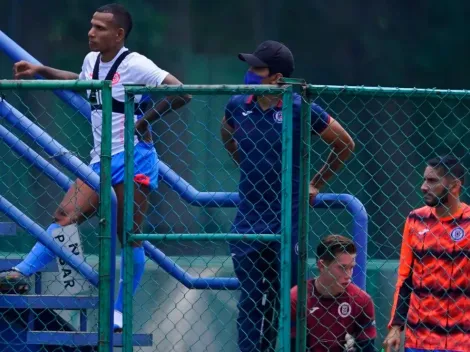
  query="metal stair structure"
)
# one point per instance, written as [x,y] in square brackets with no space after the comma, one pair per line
[30,323]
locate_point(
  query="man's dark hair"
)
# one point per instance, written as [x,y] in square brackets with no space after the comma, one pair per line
[332,245]
[449,166]
[122,17]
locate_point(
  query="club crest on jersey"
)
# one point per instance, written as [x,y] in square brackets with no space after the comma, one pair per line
[278,117]
[344,310]
[296,248]
[457,234]
[116,78]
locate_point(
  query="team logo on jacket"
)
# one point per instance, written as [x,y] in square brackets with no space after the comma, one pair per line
[278,117]
[423,232]
[457,234]
[344,310]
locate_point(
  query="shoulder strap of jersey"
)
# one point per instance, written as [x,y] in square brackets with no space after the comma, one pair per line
[113,69]
[109,77]
[96,69]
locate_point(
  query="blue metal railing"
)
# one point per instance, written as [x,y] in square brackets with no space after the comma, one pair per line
[41,235]
[17,53]
[65,158]
[191,195]
[210,199]
[359,228]
[35,159]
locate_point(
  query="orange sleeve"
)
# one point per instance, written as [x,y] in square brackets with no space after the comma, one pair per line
[293,311]
[403,287]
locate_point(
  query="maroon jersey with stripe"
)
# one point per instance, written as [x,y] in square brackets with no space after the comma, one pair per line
[329,319]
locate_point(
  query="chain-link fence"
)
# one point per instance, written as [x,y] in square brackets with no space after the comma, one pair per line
[208,195]
[210,320]
[50,295]
[395,132]
[191,295]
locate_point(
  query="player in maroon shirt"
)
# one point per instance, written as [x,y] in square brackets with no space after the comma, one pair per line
[340,316]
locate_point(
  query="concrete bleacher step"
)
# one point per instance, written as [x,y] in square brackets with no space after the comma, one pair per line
[77,338]
[48,302]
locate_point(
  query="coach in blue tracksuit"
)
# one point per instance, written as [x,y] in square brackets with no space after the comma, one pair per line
[252,134]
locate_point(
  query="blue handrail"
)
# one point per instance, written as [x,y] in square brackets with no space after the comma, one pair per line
[23,150]
[230,199]
[17,53]
[193,196]
[64,157]
[38,232]
[191,282]
[359,228]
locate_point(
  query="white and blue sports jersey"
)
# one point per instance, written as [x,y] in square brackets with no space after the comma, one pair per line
[134,69]
[259,137]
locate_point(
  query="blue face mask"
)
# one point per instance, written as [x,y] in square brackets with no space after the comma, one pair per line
[252,78]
